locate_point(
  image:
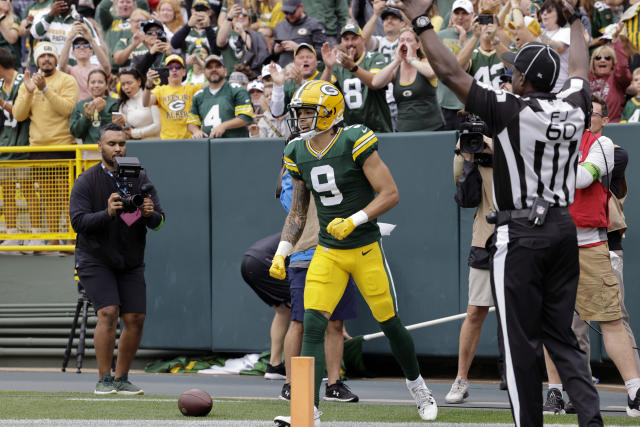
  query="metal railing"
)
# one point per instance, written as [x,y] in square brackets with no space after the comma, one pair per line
[34,198]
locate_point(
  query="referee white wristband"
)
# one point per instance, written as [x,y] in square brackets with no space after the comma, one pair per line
[359,218]
[284,248]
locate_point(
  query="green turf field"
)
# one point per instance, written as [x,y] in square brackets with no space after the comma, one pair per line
[37,405]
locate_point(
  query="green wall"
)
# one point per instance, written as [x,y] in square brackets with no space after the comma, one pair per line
[219,199]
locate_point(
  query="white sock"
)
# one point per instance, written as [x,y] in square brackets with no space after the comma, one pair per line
[632,387]
[556,386]
[417,382]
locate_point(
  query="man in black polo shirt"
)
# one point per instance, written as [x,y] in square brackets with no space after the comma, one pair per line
[534,264]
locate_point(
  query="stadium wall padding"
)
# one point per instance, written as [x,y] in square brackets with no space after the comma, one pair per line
[178,274]
[219,198]
[427,252]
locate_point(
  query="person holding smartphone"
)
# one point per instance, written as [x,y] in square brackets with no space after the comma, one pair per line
[173,99]
[198,31]
[481,53]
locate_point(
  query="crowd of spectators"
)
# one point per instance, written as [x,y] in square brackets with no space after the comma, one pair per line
[181,69]
[365,47]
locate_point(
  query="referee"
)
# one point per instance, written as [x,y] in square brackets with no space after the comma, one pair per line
[534,269]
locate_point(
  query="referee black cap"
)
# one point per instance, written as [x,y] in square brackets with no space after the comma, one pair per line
[538,62]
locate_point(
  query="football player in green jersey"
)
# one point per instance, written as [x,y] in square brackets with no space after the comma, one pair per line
[222,110]
[351,187]
[364,103]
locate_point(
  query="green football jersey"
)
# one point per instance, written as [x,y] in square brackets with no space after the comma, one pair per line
[362,104]
[194,39]
[601,16]
[14,133]
[337,181]
[14,48]
[122,44]
[486,67]
[418,107]
[88,128]
[231,100]
[631,113]
[233,51]
[37,10]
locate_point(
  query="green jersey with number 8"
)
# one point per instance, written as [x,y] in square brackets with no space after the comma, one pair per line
[336,179]
[364,105]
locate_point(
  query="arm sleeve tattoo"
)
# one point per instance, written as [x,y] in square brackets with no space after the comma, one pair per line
[297,217]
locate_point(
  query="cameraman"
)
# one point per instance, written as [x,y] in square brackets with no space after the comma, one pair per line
[473,174]
[110,256]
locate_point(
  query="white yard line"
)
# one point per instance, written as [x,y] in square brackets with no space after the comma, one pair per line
[227,423]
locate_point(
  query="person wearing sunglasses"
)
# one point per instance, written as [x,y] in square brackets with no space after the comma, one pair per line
[609,77]
[155,40]
[173,99]
[58,25]
[86,52]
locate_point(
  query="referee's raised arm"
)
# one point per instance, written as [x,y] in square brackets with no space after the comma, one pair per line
[440,57]
[578,51]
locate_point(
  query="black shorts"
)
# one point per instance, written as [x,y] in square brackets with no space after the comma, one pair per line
[105,287]
[272,291]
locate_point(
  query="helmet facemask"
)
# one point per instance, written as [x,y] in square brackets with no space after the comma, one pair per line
[321,113]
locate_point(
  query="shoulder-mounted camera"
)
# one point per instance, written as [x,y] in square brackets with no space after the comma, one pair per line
[472,131]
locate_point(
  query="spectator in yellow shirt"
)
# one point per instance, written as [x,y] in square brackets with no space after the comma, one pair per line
[48,99]
[173,99]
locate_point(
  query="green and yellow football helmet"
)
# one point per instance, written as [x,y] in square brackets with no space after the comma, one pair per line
[322,97]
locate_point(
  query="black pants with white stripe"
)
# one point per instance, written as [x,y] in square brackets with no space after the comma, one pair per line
[534,276]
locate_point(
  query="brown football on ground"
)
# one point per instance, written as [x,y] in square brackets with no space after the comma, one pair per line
[195,403]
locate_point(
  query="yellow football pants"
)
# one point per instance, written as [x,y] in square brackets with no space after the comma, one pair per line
[329,273]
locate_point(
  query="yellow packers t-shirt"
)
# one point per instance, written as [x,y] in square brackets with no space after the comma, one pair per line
[175,103]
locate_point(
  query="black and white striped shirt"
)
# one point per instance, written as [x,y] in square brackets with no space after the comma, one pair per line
[535,141]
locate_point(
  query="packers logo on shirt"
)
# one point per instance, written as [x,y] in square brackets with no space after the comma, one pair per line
[303,32]
[407,93]
[329,90]
[177,105]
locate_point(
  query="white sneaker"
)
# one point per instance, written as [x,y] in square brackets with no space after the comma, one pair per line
[34,242]
[11,243]
[459,391]
[282,421]
[427,407]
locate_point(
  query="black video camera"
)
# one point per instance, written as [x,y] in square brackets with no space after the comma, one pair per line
[472,131]
[127,173]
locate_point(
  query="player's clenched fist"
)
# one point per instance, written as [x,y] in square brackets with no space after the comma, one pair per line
[341,227]
[277,270]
